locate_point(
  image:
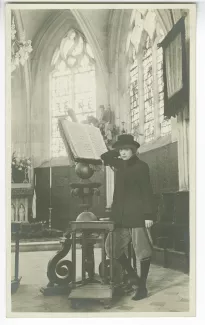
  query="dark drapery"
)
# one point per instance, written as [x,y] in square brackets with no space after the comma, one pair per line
[176,85]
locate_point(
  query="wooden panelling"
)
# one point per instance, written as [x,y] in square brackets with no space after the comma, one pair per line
[163,164]
[65,207]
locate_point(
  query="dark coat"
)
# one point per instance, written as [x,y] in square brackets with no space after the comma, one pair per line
[133,196]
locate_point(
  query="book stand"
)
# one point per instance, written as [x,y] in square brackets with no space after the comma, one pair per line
[62,273]
[85,224]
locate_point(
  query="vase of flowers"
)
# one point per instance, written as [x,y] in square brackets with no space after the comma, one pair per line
[20,167]
[106,125]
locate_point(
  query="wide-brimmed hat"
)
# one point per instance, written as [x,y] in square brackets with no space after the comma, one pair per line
[125,141]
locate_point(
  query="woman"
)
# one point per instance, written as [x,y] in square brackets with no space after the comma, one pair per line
[131,209]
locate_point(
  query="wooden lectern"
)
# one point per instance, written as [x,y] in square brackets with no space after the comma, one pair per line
[84,146]
[90,288]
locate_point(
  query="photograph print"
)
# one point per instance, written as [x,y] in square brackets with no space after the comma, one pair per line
[101,115]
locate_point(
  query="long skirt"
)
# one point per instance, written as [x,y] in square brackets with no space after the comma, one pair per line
[141,241]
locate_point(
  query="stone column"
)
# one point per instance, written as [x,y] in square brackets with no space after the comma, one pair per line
[183,151]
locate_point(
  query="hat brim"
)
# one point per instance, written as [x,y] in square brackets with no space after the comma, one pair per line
[119,145]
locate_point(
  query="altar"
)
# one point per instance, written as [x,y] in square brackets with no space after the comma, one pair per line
[21,201]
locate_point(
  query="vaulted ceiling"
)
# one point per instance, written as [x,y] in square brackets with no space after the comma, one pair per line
[35,20]
[101,24]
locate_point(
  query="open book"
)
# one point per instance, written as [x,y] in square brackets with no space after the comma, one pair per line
[82,141]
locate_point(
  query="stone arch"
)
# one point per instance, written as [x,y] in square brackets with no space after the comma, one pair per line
[54,25]
[45,43]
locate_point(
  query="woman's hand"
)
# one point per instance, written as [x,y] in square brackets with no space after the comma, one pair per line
[148,223]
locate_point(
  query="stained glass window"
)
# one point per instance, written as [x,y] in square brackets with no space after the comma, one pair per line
[148,92]
[84,86]
[165,124]
[61,101]
[134,97]
[72,85]
[150,67]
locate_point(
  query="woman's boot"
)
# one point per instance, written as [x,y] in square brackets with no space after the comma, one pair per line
[141,291]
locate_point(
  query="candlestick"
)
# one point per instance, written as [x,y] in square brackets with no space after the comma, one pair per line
[50,218]
[50,177]
[50,197]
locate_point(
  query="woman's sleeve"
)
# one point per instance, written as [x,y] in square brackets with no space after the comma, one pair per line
[110,158]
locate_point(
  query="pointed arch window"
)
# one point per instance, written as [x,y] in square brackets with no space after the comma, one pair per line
[146,77]
[165,124]
[148,91]
[72,84]
[134,95]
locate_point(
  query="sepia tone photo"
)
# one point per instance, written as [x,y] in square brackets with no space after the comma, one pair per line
[100,122]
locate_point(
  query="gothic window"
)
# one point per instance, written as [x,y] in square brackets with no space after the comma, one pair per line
[134,96]
[165,124]
[146,77]
[72,85]
[148,92]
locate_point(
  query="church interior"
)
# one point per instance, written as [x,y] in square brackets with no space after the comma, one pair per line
[104,67]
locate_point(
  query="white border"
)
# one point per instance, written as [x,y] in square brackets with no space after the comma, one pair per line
[201,141]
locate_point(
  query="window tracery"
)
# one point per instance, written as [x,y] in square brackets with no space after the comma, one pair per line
[72,84]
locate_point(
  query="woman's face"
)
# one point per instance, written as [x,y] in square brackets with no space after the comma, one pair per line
[126,153]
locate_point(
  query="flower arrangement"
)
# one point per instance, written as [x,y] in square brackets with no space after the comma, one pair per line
[20,48]
[106,125]
[20,167]
[136,131]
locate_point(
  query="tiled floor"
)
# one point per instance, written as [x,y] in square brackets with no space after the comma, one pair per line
[168,290]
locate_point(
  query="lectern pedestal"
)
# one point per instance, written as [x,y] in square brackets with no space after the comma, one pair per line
[92,288]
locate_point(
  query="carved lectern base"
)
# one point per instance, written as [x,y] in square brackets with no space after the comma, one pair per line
[92,291]
[55,290]
[59,271]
